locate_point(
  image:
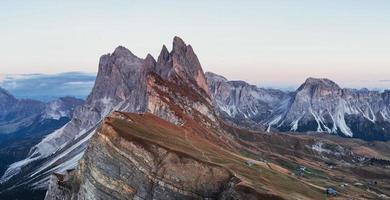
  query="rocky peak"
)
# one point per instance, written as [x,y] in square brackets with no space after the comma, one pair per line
[164,55]
[319,83]
[122,51]
[150,63]
[178,45]
[164,63]
[118,73]
[181,62]
[315,87]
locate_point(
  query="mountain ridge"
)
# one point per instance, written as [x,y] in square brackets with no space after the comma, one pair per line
[319,105]
[23,122]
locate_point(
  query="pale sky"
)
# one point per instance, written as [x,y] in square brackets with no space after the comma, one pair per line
[269,43]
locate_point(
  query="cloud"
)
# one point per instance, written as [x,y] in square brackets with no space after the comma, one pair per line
[79,83]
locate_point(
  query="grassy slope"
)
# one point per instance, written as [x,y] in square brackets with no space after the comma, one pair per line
[263,177]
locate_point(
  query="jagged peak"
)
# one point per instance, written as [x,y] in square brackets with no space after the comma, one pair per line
[319,82]
[123,51]
[178,44]
[164,49]
[150,62]
[149,57]
[164,55]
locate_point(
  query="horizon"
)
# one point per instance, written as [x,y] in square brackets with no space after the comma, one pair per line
[12,79]
[266,44]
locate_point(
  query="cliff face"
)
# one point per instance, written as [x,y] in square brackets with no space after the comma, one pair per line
[128,159]
[244,104]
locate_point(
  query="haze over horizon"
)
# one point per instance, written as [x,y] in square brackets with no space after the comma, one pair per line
[276,44]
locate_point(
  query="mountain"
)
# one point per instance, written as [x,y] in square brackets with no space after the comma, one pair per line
[324,106]
[318,105]
[245,104]
[124,83]
[23,123]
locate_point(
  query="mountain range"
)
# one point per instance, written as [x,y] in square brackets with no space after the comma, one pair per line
[163,129]
[318,105]
[24,122]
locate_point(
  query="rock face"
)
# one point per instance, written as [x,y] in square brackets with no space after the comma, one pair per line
[173,88]
[317,105]
[239,101]
[118,168]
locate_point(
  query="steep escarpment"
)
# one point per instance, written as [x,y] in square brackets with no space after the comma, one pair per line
[122,166]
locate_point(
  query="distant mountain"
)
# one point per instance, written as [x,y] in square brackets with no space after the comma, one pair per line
[47,87]
[318,105]
[245,104]
[23,123]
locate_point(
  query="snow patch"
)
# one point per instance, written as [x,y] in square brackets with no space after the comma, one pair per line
[63,154]
[294,124]
[274,121]
[318,120]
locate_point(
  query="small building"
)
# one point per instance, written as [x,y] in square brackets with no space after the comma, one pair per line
[330,191]
[301,170]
